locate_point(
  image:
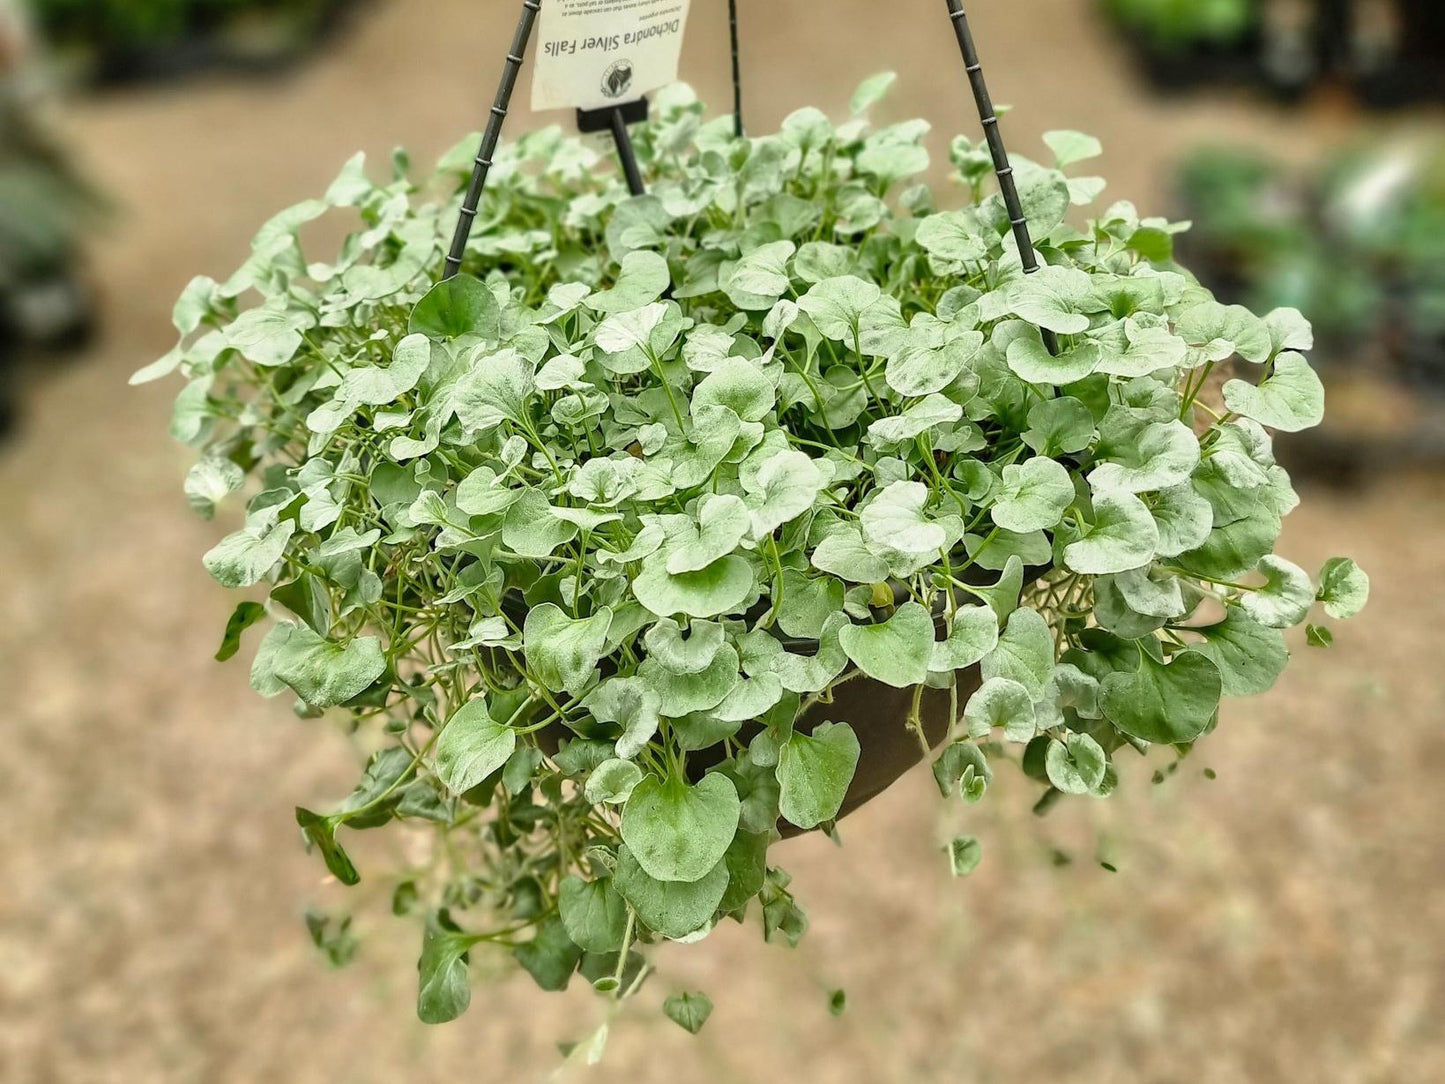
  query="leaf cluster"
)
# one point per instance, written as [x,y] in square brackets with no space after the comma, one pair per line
[585,539]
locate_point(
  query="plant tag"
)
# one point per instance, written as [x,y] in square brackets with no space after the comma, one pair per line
[592,54]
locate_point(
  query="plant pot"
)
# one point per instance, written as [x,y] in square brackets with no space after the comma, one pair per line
[888,746]
[878,714]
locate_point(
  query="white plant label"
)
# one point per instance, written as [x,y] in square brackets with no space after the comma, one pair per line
[596,53]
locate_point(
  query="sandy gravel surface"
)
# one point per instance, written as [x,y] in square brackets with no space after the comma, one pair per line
[1281,923]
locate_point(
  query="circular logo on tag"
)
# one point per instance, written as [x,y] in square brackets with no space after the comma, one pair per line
[617,79]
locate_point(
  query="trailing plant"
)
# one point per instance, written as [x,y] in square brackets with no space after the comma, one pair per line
[573,540]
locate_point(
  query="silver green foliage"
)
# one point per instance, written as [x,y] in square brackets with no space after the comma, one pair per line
[583,540]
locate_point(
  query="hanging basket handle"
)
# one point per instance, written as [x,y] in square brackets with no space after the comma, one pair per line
[493,134]
[1001,167]
[737,69]
[986,114]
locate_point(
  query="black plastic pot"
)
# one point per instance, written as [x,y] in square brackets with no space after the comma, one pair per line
[878,714]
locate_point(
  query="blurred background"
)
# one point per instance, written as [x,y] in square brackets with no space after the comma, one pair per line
[1284,921]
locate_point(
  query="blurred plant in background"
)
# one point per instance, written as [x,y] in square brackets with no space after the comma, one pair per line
[1172,24]
[123,40]
[1389,51]
[44,300]
[1355,244]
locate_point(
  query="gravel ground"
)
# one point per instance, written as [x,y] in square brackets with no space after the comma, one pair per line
[1281,923]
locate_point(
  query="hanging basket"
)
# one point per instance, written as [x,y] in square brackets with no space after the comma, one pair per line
[684,529]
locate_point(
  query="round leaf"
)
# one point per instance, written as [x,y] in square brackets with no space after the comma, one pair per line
[679,832]
[720,588]
[561,651]
[1122,537]
[739,385]
[472,746]
[593,913]
[612,782]
[1286,597]
[897,652]
[1183,519]
[1221,331]
[495,388]
[1000,702]
[1024,652]
[1049,298]
[1344,588]
[814,773]
[1290,399]
[1249,656]
[690,655]
[688,1011]
[722,524]
[954,237]
[1162,456]
[245,557]
[643,278]
[786,485]
[319,671]
[1031,361]
[1034,496]
[1076,765]
[455,308]
[673,909]
[973,635]
[895,519]
[1168,704]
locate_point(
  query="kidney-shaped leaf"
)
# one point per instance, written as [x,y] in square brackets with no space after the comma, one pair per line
[1290,399]
[1344,587]
[472,746]
[814,773]
[719,588]
[1000,702]
[973,635]
[1123,536]
[679,832]
[897,652]
[496,387]
[1163,455]
[1076,765]
[643,279]
[593,913]
[1024,652]
[786,485]
[1250,657]
[1169,704]
[894,519]
[563,651]
[320,672]
[1286,597]
[1034,496]
[457,307]
[243,558]
[674,909]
